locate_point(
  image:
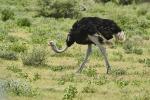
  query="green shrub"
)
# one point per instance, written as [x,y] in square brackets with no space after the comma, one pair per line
[88,89]
[11,38]
[123,2]
[147,62]
[58,9]
[18,47]
[36,57]
[24,22]
[138,51]
[118,72]
[56,68]
[131,45]
[66,78]
[7,14]
[101,80]
[70,93]
[3,34]
[122,83]
[90,72]
[14,69]
[8,55]
[142,11]
[37,76]
[21,88]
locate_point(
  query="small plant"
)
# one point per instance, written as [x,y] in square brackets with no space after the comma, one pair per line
[118,72]
[21,88]
[56,68]
[23,75]
[66,78]
[133,43]
[35,58]
[122,83]
[88,89]
[14,69]
[24,22]
[7,14]
[3,34]
[90,72]
[147,62]
[101,80]
[59,9]
[138,51]
[11,38]
[36,76]
[8,55]
[18,47]
[142,11]
[70,93]
[136,83]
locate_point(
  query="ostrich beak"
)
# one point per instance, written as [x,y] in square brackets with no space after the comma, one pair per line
[120,36]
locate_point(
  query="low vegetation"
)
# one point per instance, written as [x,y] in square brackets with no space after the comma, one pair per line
[31,70]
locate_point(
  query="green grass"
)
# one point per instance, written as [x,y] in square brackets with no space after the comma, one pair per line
[23,47]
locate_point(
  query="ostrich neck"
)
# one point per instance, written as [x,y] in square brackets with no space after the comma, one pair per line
[55,49]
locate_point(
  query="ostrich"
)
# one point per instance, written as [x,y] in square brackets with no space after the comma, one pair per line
[92,30]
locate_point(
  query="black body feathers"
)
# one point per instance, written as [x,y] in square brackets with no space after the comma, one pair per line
[90,26]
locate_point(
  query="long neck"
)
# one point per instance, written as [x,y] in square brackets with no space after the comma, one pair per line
[55,49]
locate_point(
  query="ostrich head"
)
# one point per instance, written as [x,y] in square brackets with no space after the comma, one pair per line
[120,36]
[55,49]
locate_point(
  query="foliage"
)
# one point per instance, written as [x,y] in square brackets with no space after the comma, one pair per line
[118,72]
[8,55]
[36,57]
[58,9]
[122,83]
[7,14]
[90,72]
[88,89]
[21,88]
[66,78]
[70,92]
[24,22]
[14,69]
[18,47]
[101,80]
[123,2]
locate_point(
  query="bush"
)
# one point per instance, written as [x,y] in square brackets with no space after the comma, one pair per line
[118,72]
[131,45]
[147,62]
[101,80]
[90,72]
[21,88]
[122,83]
[24,22]
[7,14]
[123,2]
[70,93]
[36,57]
[14,69]
[3,34]
[18,47]
[66,78]
[59,8]
[11,38]
[138,51]
[8,55]
[88,89]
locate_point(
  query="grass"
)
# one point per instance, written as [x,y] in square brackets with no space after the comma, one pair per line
[55,77]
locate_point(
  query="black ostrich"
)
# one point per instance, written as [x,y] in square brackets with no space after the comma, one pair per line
[92,30]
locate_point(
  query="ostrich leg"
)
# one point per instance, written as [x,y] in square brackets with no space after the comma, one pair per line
[88,52]
[102,49]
